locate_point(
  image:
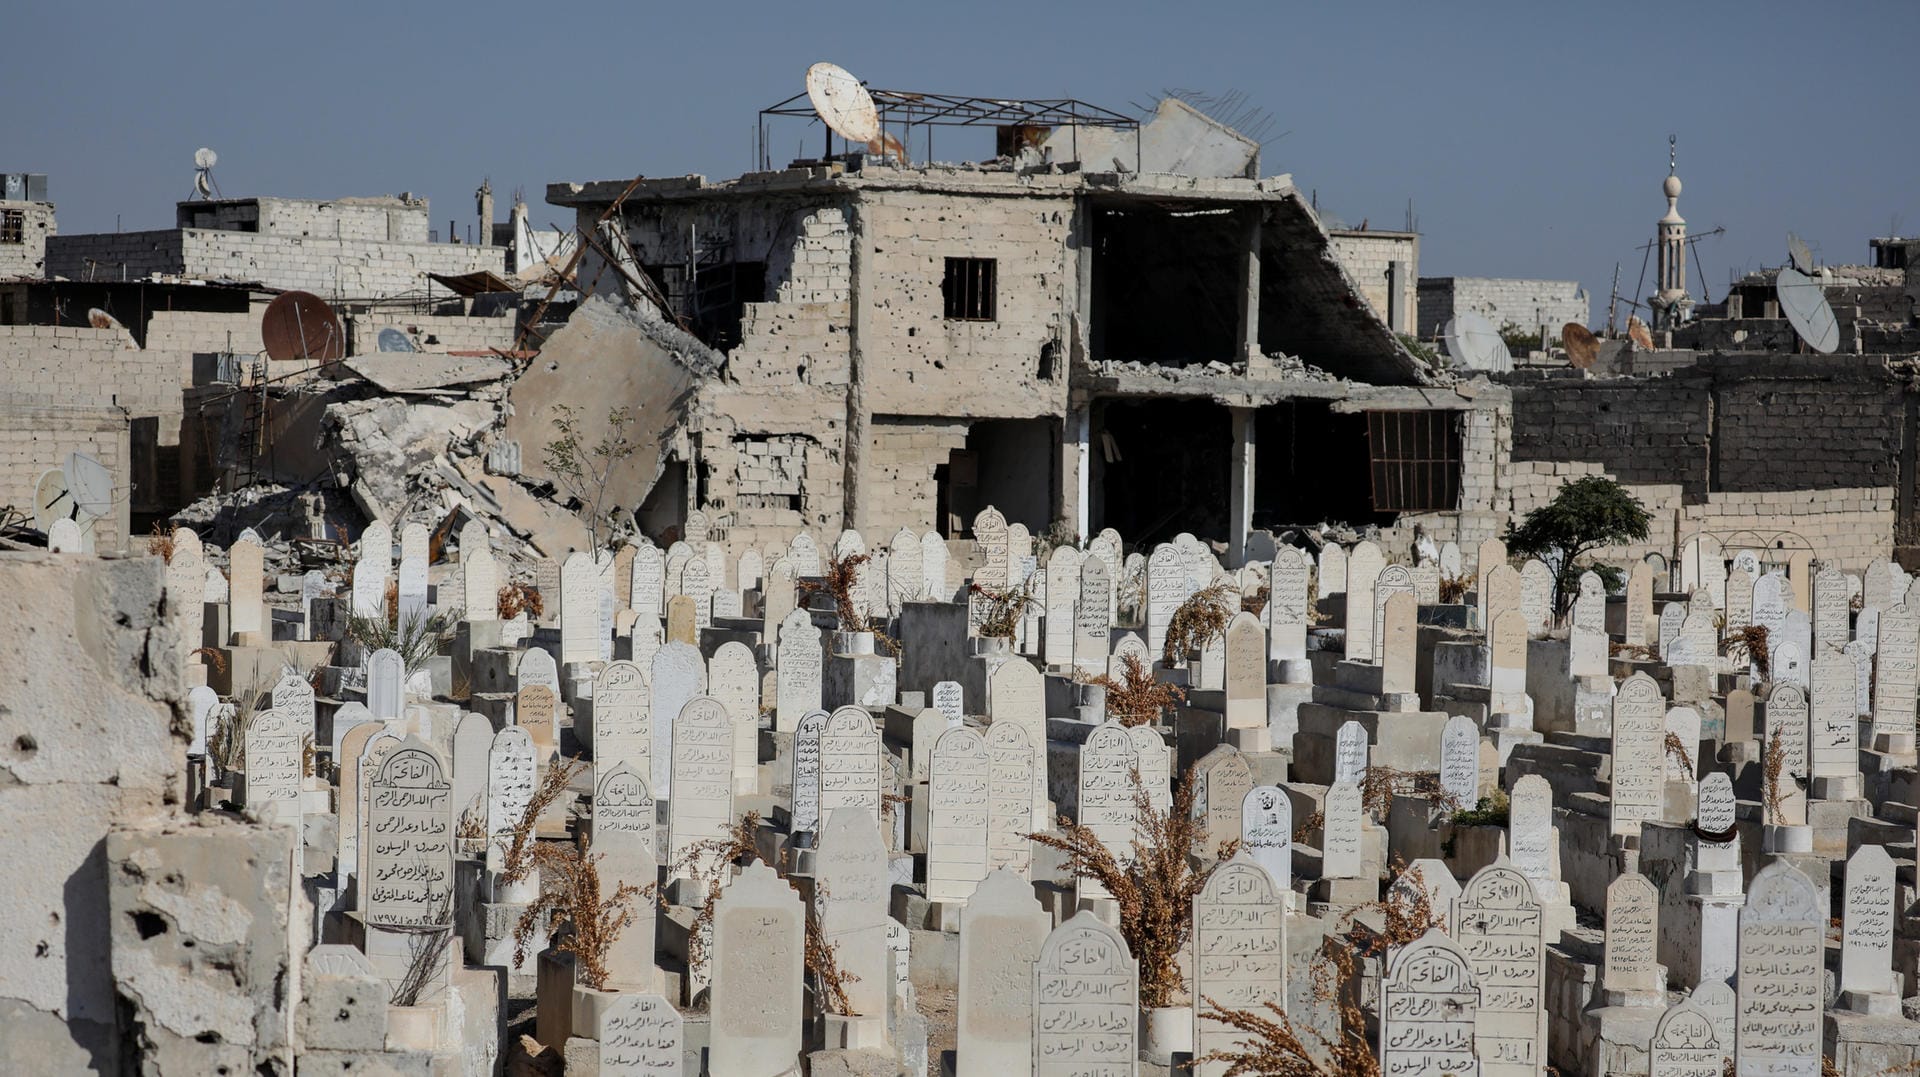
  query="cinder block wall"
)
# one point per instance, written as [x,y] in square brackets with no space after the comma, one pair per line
[919,363]
[1368,257]
[37,431]
[900,463]
[329,267]
[1525,303]
[28,258]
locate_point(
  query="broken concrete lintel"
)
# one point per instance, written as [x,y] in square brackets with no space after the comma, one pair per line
[416,372]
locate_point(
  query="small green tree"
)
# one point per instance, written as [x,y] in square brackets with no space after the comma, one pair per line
[1585,515]
[582,472]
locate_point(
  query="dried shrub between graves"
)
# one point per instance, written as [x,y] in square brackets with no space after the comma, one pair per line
[576,901]
[1677,751]
[426,954]
[1135,697]
[516,858]
[1380,783]
[1454,588]
[1773,768]
[1493,809]
[215,660]
[1004,609]
[839,582]
[1256,603]
[1154,884]
[160,542]
[1749,644]
[704,862]
[517,598]
[1274,1046]
[1198,621]
[1638,651]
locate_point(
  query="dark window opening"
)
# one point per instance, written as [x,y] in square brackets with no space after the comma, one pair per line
[1167,286]
[1009,464]
[1310,467]
[1415,458]
[720,296]
[968,289]
[1161,467]
[13,226]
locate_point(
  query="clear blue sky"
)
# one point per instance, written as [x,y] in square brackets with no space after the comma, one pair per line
[1532,138]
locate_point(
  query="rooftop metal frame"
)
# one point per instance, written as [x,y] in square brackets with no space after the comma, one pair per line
[907,110]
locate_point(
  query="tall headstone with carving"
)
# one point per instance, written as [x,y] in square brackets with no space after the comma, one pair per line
[1085,1001]
[1240,950]
[1779,980]
[1429,1003]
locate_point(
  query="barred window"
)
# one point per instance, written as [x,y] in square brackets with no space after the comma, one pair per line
[969,289]
[13,226]
[1415,458]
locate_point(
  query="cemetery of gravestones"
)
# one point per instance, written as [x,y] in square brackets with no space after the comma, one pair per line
[853,858]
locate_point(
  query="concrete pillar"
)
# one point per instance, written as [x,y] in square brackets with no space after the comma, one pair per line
[1250,298]
[483,203]
[1240,486]
[859,420]
[1397,273]
[1076,469]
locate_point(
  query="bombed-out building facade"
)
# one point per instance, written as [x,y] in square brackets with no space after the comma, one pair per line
[1079,341]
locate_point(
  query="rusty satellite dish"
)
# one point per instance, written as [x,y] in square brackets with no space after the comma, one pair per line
[1638,332]
[1582,346]
[300,325]
[844,105]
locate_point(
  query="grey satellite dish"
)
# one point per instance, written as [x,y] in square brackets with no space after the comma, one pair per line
[90,483]
[1807,310]
[843,104]
[50,499]
[1798,254]
[1474,343]
[393,340]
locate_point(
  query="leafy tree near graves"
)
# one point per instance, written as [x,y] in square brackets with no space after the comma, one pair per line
[1587,514]
[582,471]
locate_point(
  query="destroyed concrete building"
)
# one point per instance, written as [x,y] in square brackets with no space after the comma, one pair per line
[1078,341]
[132,347]
[26,220]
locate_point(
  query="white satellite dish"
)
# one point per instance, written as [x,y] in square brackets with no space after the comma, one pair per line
[1798,254]
[203,161]
[90,484]
[50,499]
[1474,343]
[844,105]
[1807,310]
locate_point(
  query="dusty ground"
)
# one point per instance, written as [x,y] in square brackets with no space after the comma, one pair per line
[942,1013]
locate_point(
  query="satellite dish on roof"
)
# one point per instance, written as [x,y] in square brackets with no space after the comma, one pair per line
[1474,343]
[1582,346]
[1798,254]
[394,340]
[1638,332]
[50,499]
[90,484]
[203,161]
[300,325]
[844,105]
[1807,310]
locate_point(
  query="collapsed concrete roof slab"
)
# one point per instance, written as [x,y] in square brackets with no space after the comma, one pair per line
[419,372]
[1310,307]
[609,356]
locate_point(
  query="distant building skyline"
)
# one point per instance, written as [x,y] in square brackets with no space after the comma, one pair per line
[1529,142]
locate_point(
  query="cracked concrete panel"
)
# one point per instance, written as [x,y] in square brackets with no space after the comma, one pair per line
[89,697]
[202,955]
[89,686]
[609,356]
